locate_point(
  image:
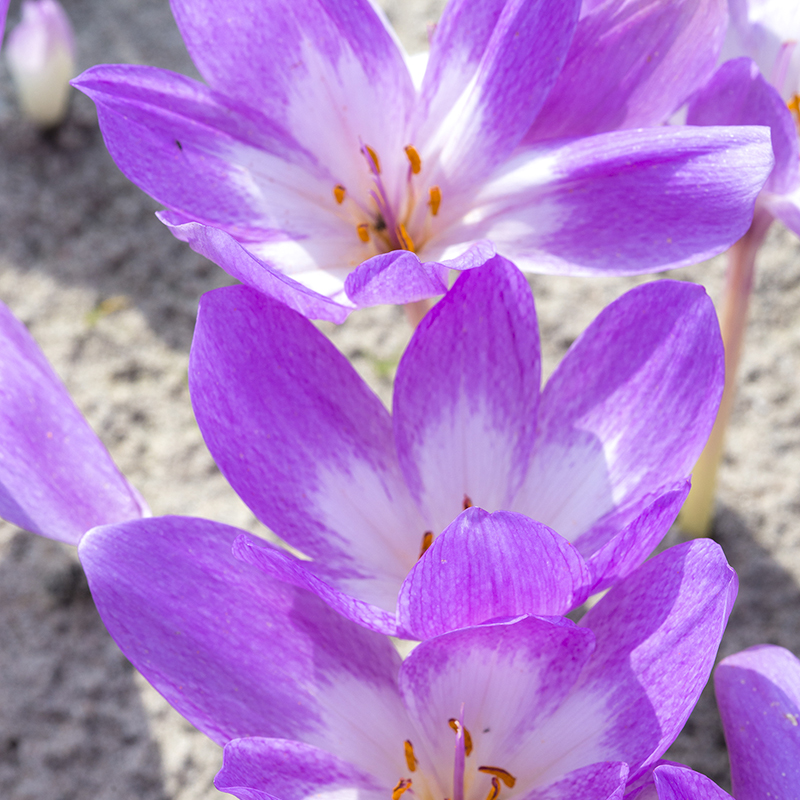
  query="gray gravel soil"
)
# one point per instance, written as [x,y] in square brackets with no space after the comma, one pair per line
[111,297]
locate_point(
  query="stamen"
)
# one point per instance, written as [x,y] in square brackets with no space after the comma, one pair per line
[405,241]
[427,541]
[375,160]
[363,232]
[435,194]
[338,193]
[494,791]
[402,785]
[456,726]
[411,759]
[504,775]
[413,157]
[467,502]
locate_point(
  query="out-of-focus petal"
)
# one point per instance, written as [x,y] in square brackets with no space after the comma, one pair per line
[56,478]
[632,63]
[619,203]
[786,207]
[657,634]
[629,408]
[490,566]
[758,694]
[466,394]
[738,94]
[303,441]
[235,653]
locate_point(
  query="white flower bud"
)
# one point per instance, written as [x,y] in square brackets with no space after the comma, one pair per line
[41,58]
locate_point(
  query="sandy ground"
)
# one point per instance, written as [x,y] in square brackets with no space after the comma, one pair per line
[111,297]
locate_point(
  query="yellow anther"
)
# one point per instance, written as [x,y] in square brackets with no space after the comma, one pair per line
[435,201]
[411,759]
[413,157]
[402,785]
[504,775]
[375,160]
[494,791]
[363,231]
[467,502]
[456,726]
[404,240]
[794,104]
[338,193]
[427,541]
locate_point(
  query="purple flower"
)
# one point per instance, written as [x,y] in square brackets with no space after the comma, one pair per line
[600,459]
[56,478]
[310,167]
[3,12]
[670,781]
[555,709]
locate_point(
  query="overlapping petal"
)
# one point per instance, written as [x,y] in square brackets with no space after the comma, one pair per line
[56,478]
[680,783]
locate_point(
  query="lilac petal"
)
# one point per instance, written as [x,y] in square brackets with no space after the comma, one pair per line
[233,652]
[303,441]
[617,543]
[301,64]
[466,394]
[619,203]
[786,207]
[280,565]
[508,678]
[262,769]
[490,566]
[56,478]
[681,783]
[738,94]
[628,409]
[758,694]
[632,64]
[3,12]
[605,781]
[491,67]
[395,277]
[657,634]
[221,248]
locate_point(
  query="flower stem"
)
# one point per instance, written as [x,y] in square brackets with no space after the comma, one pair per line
[697,512]
[417,310]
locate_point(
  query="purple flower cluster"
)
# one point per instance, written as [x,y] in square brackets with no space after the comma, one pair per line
[482,510]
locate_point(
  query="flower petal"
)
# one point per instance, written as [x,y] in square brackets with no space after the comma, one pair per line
[262,769]
[56,478]
[758,693]
[235,653]
[738,94]
[786,207]
[466,394]
[657,634]
[632,64]
[604,781]
[682,783]
[303,441]
[629,408]
[490,566]
[507,678]
[619,203]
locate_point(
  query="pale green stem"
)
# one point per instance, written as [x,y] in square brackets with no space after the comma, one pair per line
[698,510]
[417,310]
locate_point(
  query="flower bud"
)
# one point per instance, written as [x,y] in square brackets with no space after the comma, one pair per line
[41,58]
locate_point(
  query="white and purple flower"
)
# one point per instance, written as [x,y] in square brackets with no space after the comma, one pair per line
[312,169]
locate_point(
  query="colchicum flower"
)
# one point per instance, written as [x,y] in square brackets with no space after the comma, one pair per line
[40,54]
[599,459]
[312,169]
[520,707]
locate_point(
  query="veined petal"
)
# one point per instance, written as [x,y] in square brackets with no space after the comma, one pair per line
[303,441]
[632,64]
[490,69]
[738,94]
[56,478]
[507,677]
[489,566]
[604,781]
[657,634]
[618,203]
[263,769]
[629,408]
[673,782]
[235,653]
[329,71]
[466,394]
[758,693]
